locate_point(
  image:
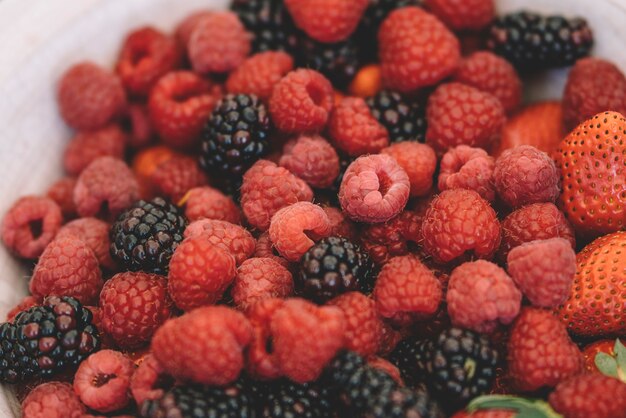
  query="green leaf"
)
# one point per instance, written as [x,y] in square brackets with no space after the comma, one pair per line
[606,364]
[524,408]
[620,355]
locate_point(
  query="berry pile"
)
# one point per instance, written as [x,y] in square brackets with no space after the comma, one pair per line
[325,209]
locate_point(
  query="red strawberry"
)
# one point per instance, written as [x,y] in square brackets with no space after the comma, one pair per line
[607,357]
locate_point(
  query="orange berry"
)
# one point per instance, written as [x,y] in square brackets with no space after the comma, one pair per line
[367,81]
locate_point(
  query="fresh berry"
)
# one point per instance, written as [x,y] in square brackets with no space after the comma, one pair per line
[26,303]
[287,399]
[477,122]
[340,226]
[419,161]
[138,125]
[230,237]
[404,119]
[505,406]
[603,347]
[265,249]
[367,82]
[462,14]
[413,58]
[52,400]
[312,159]
[258,279]
[259,74]
[147,160]
[405,402]
[30,224]
[87,146]
[149,381]
[62,192]
[339,62]
[185,27]
[94,233]
[392,238]
[363,326]
[469,168]
[146,235]
[354,129]
[261,360]
[207,202]
[269,22]
[590,395]
[176,176]
[387,367]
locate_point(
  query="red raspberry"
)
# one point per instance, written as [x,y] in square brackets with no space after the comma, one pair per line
[393,238]
[340,226]
[459,222]
[232,238]
[267,188]
[492,74]
[481,295]
[265,249]
[312,159]
[176,176]
[181,345]
[258,279]
[416,50]
[147,55]
[593,86]
[67,267]
[390,339]
[219,43]
[102,381]
[525,175]
[355,130]
[105,188]
[469,168]
[30,224]
[543,270]
[463,14]
[418,161]
[540,352]
[52,400]
[94,233]
[262,362]
[180,105]
[188,24]
[106,341]
[387,367]
[62,192]
[590,395]
[292,228]
[144,383]
[364,328]
[90,97]
[210,203]
[134,305]
[301,102]
[25,304]
[259,74]
[86,147]
[462,115]
[534,222]
[405,285]
[138,125]
[374,189]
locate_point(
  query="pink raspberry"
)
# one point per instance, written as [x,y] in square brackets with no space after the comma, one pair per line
[543,270]
[144,383]
[138,125]
[232,238]
[355,130]
[392,238]
[419,161]
[94,233]
[186,26]
[265,249]
[459,222]
[258,279]
[259,74]
[52,400]
[374,189]
[340,226]
[261,359]
[30,224]
[207,202]
[312,159]
[459,15]
[85,147]
[469,168]
[176,176]
[62,192]
[292,227]
[481,295]
[267,188]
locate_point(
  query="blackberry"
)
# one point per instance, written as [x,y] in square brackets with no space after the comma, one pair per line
[44,340]
[235,137]
[269,22]
[333,266]
[405,403]
[404,120]
[146,235]
[532,41]
[339,62]
[287,399]
[409,357]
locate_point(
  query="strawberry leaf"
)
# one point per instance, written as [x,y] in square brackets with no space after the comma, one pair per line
[606,364]
[523,408]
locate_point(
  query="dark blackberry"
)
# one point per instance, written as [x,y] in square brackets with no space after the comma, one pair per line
[405,120]
[235,137]
[409,357]
[269,22]
[531,41]
[44,340]
[334,265]
[405,403]
[146,235]
[287,399]
[339,62]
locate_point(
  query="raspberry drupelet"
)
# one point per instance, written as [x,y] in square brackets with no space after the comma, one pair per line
[258,279]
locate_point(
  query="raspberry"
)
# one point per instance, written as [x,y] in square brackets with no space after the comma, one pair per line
[180,105]
[230,237]
[90,97]
[147,55]
[86,147]
[481,295]
[301,102]
[543,270]
[134,305]
[190,282]
[218,43]
[374,189]
[267,188]
[138,125]
[355,130]
[593,86]
[462,115]
[186,26]
[144,383]
[405,285]
[390,339]
[261,358]
[492,74]
[292,227]
[26,303]
[176,176]
[258,279]
[540,352]
[590,395]
[259,74]
[312,159]
[418,161]
[102,381]
[105,188]
[416,50]
[62,192]
[265,249]
[393,238]
[94,233]
[387,367]
[340,226]
[67,267]
[52,400]
[181,345]
[463,14]
[534,222]
[459,222]
[30,224]
[146,161]
[469,168]
[363,326]
[210,203]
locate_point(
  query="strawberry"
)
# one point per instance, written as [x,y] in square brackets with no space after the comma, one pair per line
[506,406]
[591,160]
[592,350]
[610,358]
[595,306]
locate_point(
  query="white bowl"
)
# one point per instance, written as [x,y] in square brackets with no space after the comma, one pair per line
[39,39]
